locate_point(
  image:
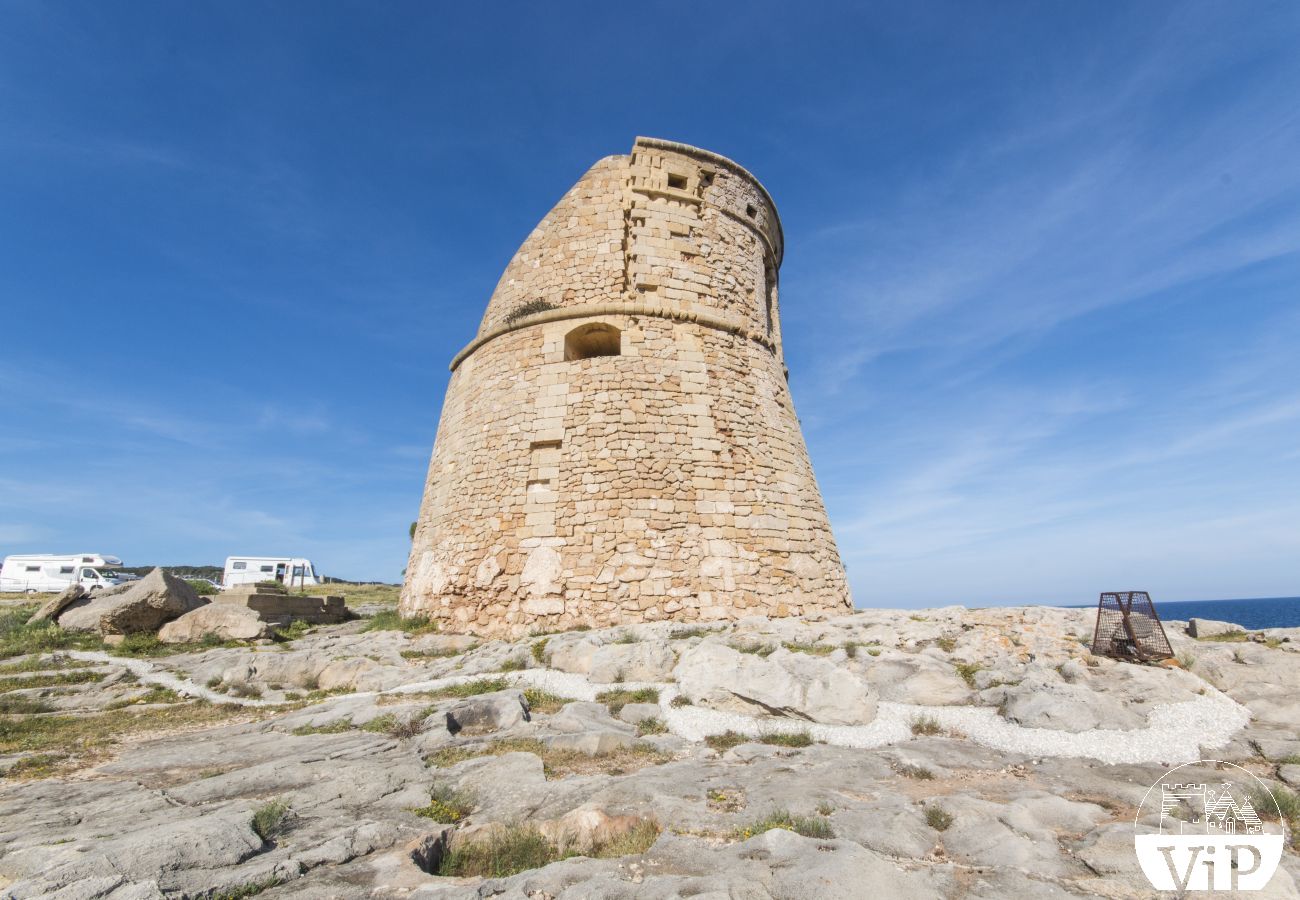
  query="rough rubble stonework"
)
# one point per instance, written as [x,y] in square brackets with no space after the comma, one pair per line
[667,479]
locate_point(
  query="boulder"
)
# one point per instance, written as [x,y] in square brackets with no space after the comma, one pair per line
[50,611]
[579,830]
[581,716]
[792,685]
[641,661]
[568,654]
[929,687]
[587,827]
[1043,702]
[1204,628]
[633,713]
[225,621]
[145,605]
[488,712]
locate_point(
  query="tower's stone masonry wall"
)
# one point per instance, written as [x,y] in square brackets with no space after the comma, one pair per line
[669,481]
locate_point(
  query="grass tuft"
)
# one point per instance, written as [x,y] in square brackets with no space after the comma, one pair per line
[726,740]
[23,706]
[808,826]
[44,663]
[681,700]
[338,726]
[294,630]
[616,700]
[270,819]
[556,763]
[52,679]
[524,310]
[394,727]
[756,649]
[811,649]
[938,818]
[389,620]
[40,765]
[90,735]
[155,694]
[968,671]
[17,638]
[920,773]
[650,726]
[926,725]
[511,849]
[446,806]
[538,649]
[1230,636]
[470,688]
[797,739]
[145,644]
[445,653]
[544,701]
[1276,804]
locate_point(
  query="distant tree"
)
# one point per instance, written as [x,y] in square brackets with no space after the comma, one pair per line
[413,524]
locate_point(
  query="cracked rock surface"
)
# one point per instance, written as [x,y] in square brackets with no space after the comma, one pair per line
[356,763]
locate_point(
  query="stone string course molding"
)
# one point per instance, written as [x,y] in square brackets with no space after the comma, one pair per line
[618,443]
[631,308]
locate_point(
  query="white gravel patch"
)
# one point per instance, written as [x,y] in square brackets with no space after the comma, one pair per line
[1175,732]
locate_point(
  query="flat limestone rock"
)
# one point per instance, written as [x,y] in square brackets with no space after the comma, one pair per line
[792,685]
[170,814]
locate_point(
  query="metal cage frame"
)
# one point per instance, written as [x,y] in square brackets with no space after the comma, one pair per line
[1128,627]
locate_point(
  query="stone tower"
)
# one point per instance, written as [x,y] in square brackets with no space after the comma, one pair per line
[618,443]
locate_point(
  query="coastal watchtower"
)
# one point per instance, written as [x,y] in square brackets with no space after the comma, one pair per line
[618,443]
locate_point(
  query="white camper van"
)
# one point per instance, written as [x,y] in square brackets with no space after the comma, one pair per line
[289,571]
[48,572]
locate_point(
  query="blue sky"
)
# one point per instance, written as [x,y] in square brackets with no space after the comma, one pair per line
[1041,292]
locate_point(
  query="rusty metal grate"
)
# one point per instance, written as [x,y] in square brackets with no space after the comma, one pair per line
[1128,628]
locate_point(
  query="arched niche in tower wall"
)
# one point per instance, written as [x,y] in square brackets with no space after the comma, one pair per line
[594,339]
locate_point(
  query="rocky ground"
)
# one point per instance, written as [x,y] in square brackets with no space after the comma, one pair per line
[951,752]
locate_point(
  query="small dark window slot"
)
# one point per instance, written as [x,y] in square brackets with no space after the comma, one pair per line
[677,182]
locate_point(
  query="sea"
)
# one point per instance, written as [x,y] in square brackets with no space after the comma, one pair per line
[1261,612]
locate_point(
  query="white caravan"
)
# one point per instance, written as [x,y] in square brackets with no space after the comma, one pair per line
[288,570]
[46,572]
